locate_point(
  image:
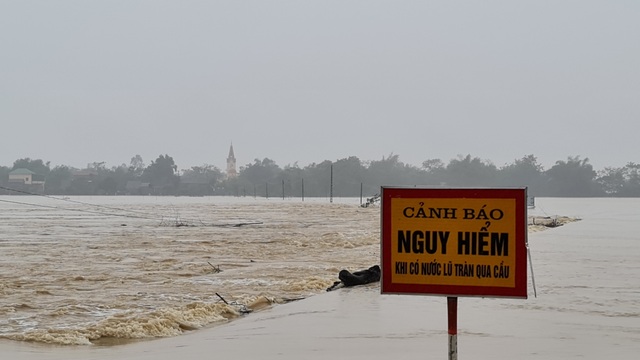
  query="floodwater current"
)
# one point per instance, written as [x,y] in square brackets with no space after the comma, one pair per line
[102,270]
[85,270]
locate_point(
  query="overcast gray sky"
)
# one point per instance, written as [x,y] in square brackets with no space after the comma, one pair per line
[307,81]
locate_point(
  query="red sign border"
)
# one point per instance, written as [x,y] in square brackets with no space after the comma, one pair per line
[520,196]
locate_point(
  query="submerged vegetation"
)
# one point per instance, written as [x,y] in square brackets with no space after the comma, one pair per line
[348,177]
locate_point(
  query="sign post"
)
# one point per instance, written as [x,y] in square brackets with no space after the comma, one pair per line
[452,317]
[454,242]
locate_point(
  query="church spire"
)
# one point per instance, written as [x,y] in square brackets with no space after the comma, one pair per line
[231,156]
[231,164]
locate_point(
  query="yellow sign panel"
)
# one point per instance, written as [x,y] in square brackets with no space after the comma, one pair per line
[454,241]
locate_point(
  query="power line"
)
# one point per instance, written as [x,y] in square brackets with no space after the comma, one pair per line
[77,202]
[72,209]
[135,215]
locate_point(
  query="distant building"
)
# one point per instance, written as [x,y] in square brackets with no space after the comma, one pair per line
[26,180]
[231,164]
[85,175]
[21,176]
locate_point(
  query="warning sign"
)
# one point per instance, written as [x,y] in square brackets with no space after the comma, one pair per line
[454,242]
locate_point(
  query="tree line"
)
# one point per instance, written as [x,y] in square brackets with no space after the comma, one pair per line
[347,177]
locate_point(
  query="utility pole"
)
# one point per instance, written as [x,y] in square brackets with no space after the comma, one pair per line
[331,186]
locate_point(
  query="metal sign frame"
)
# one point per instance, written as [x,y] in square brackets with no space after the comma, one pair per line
[454,241]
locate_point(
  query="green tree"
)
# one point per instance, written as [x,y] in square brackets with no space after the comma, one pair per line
[58,180]
[263,175]
[4,178]
[4,174]
[318,179]
[620,182]
[294,177]
[611,180]
[37,166]
[435,171]
[348,174]
[390,171]
[123,174]
[572,178]
[137,166]
[524,172]
[468,171]
[98,167]
[632,180]
[200,180]
[108,186]
[161,174]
